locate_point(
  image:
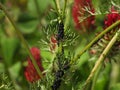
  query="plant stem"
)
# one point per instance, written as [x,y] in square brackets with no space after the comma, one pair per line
[101,58]
[22,40]
[57,6]
[37,8]
[64,8]
[94,40]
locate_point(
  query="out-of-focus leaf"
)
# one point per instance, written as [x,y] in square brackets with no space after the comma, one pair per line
[25,17]
[100,84]
[1,67]
[102,81]
[9,46]
[2,1]
[27,23]
[115,87]
[42,5]
[2,16]
[28,27]
[85,56]
[15,69]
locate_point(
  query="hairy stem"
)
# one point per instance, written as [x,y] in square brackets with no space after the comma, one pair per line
[101,58]
[94,40]
[20,36]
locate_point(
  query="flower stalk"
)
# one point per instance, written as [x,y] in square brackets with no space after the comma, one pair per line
[101,58]
[94,40]
[57,6]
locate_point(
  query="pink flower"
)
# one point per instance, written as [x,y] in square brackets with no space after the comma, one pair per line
[77,12]
[30,71]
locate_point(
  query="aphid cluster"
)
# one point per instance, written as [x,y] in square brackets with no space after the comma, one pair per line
[60,35]
[58,76]
[62,62]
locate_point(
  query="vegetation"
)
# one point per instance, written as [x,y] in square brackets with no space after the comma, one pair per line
[59,45]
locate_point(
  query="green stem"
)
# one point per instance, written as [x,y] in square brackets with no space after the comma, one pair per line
[57,6]
[37,8]
[64,8]
[94,40]
[22,40]
[101,58]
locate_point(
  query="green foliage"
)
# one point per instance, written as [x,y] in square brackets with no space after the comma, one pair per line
[115,87]
[5,83]
[38,22]
[9,46]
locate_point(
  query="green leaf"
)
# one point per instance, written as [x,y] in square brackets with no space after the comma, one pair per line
[2,68]
[8,46]
[115,87]
[2,16]
[27,23]
[43,4]
[102,81]
[26,17]
[3,1]
[15,69]
[100,84]
[28,27]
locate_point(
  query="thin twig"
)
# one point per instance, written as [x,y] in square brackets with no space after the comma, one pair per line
[24,42]
[101,58]
[94,40]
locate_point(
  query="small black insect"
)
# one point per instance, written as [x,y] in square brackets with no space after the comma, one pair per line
[58,78]
[60,35]
[56,84]
[66,66]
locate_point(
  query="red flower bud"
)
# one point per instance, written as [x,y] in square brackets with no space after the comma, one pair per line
[30,71]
